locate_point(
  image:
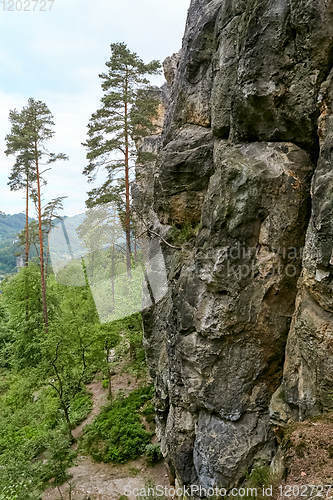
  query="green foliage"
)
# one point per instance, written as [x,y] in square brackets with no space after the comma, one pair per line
[153,454]
[125,336]
[131,331]
[50,216]
[31,427]
[43,376]
[127,109]
[149,412]
[117,434]
[25,331]
[105,383]
[42,384]
[80,407]
[260,476]
[184,233]
[5,336]
[31,128]
[34,444]
[8,252]
[51,340]
[59,457]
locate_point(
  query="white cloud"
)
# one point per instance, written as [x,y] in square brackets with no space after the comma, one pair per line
[57,56]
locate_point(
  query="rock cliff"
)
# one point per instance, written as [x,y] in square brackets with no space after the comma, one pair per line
[241,194]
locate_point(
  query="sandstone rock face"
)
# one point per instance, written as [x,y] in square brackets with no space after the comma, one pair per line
[308,373]
[241,193]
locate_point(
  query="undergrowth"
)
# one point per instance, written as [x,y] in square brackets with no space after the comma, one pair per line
[117,434]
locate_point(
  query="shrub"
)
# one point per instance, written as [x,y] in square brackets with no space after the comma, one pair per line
[260,476]
[149,412]
[117,434]
[153,454]
[80,408]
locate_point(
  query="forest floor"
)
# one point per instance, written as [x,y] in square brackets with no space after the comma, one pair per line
[309,459]
[98,481]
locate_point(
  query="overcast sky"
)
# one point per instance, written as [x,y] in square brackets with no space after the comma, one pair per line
[56,56]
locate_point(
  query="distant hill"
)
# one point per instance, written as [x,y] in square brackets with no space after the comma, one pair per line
[10,226]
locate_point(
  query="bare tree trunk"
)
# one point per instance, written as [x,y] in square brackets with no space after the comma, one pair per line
[47,256]
[70,490]
[60,392]
[113,268]
[128,206]
[59,491]
[107,358]
[27,223]
[68,422]
[27,247]
[135,250]
[41,243]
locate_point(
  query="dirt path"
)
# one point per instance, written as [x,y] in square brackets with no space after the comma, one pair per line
[93,481]
[99,399]
[120,382]
[109,482]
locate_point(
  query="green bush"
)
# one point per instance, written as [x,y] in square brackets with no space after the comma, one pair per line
[117,434]
[33,446]
[153,454]
[259,476]
[80,408]
[131,329]
[44,373]
[59,457]
[149,412]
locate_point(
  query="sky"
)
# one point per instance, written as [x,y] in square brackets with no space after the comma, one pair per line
[56,56]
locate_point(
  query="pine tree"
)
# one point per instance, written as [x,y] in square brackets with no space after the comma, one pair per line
[127,110]
[22,173]
[31,129]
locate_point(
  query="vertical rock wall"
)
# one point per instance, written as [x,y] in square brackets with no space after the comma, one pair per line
[242,192]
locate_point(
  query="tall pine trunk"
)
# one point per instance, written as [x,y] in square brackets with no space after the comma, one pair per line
[27,247]
[47,256]
[135,250]
[113,273]
[26,261]
[128,207]
[41,243]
